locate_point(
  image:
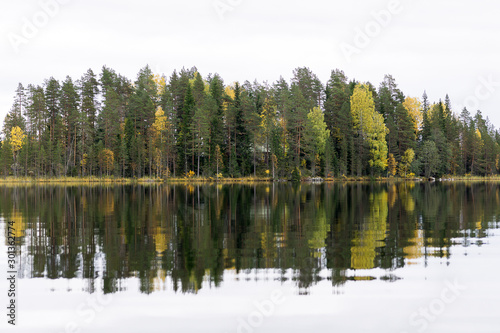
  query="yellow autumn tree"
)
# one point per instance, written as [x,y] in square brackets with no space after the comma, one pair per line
[391,164]
[406,161]
[17,139]
[106,160]
[159,127]
[159,80]
[414,108]
[369,125]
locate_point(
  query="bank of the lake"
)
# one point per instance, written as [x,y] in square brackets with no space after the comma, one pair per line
[222,180]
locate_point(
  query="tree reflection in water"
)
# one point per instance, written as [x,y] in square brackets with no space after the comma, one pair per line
[185,237]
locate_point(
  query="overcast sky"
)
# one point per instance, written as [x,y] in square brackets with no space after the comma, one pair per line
[446,46]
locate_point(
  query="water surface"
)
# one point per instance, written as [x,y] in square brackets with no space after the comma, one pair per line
[349,257]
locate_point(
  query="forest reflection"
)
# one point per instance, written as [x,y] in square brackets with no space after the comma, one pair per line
[185,237]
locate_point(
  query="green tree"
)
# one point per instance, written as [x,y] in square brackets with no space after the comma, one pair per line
[219,160]
[185,148]
[200,127]
[69,101]
[316,136]
[406,161]
[338,119]
[89,107]
[216,121]
[429,158]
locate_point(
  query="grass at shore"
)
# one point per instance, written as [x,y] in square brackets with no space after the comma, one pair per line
[115,180]
[151,180]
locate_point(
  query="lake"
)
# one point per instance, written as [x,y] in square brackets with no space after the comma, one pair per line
[336,257]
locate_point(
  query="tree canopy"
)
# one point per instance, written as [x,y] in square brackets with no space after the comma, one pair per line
[185,124]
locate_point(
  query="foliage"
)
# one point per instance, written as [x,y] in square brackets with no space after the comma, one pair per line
[370,126]
[296,175]
[17,139]
[391,164]
[159,126]
[406,161]
[106,160]
[430,158]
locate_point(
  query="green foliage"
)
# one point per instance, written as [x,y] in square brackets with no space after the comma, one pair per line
[166,127]
[296,175]
[429,158]
[315,137]
[406,161]
[370,127]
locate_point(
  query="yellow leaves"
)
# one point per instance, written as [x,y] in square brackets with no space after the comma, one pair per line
[107,160]
[362,107]
[161,122]
[317,129]
[17,139]
[370,124]
[413,106]
[391,164]
[230,92]
[406,160]
[372,233]
[157,160]
[83,162]
[159,80]
[268,116]
[318,232]
[478,134]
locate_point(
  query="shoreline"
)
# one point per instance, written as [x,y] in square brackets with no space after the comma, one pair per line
[243,180]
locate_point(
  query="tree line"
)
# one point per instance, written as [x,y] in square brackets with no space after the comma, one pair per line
[186,126]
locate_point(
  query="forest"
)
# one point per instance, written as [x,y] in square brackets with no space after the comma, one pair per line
[189,126]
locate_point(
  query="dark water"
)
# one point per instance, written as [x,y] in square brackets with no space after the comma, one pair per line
[326,247]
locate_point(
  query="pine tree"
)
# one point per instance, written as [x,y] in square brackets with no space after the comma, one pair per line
[185,152]
[70,116]
[216,121]
[337,117]
[89,107]
[426,126]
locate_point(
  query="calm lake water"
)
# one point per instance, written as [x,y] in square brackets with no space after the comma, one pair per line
[346,257]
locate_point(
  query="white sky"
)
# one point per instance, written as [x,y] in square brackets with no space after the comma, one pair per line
[446,46]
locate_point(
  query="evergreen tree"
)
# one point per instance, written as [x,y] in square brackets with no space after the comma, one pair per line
[89,107]
[185,144]
[216,119]
[69,107]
